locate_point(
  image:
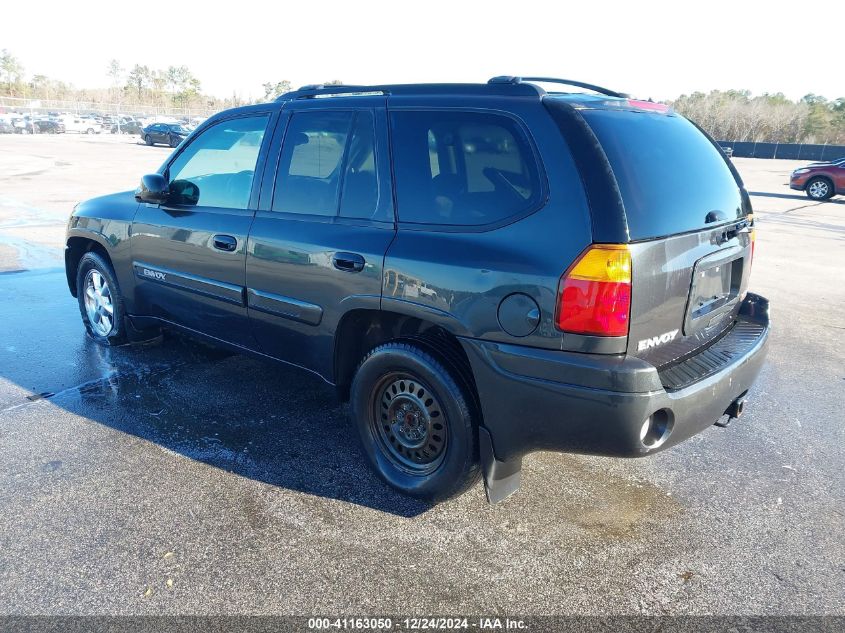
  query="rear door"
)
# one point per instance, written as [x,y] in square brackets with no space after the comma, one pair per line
[688,225]
[316,249]
[189,254]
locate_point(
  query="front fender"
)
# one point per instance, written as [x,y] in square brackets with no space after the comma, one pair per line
[104,224]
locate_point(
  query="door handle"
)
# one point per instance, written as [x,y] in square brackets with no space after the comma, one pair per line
[225,243]
[348,262]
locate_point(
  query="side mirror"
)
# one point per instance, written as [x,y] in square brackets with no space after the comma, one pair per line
[153,189]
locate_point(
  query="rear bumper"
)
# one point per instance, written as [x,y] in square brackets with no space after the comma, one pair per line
[535,399]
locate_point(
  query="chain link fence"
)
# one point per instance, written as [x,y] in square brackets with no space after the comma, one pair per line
[794,151]
[44,106]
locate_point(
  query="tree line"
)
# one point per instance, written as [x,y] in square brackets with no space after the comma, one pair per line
[734,115]
[173,87]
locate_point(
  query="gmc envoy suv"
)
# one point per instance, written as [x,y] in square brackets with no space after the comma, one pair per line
[481,270]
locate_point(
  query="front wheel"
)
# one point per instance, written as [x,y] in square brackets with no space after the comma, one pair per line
[147,139]
[174,142]
[819,189]
[100,301]
[415,422]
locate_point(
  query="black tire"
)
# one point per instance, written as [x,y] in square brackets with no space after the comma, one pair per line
[819,188]
[174,142]
[93,262]
[90,130]
[148,139]
[451,466]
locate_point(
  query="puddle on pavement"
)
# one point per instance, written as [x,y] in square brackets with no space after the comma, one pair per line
[251,418]
[601,504]
[622,508]
[285,428]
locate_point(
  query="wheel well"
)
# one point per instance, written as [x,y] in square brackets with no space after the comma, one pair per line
[76,248]
[360,331]
[827,179]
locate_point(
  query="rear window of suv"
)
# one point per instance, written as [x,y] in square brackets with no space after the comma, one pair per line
[462,168]
[669,174]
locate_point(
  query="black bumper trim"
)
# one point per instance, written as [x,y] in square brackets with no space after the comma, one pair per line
[711,360]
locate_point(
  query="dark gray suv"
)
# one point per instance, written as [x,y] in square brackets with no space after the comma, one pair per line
[483,270]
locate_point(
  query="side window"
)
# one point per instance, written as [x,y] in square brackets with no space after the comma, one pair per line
[462,168]
[217,168]
[360,195]
[310,170]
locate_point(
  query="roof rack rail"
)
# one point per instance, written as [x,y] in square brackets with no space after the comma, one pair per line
[505,79]
[312,91]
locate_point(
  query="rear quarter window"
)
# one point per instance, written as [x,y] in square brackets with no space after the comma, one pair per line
[462,168]
[669,174]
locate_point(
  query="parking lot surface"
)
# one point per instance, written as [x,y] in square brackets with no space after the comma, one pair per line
[175,479]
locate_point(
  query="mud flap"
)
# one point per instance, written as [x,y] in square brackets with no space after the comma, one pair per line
[501,479]
[136,333]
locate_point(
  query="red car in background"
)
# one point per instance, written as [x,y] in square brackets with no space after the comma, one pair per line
[820,181]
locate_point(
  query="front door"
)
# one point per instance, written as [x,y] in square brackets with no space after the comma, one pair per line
[189,254]
[325,220]
[157,133]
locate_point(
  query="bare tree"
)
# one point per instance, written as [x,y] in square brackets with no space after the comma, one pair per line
[735,115]
[115,73]
[273,90]
[12,70]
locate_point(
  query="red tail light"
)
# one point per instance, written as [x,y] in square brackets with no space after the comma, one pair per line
[595,293]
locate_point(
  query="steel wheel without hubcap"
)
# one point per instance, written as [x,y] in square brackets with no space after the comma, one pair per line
[98,303]
[818,189]
[408,422]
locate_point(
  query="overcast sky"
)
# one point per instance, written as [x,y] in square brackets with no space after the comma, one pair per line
[649,48]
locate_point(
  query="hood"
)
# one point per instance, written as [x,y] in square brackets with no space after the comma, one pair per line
[96,207]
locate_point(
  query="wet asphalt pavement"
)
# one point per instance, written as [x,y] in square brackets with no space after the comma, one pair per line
[173,478]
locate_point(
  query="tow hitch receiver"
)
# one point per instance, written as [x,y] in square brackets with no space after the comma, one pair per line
[733,411]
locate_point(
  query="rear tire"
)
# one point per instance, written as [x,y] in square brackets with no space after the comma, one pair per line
[100,301]
[819,189]
[415,422]
[147,139]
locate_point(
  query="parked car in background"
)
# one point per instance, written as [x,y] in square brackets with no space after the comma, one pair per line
[21,125]
[164,133]
[126,127]
[505,271]
[48,126]
[820,181]
[81,125]
[6,127]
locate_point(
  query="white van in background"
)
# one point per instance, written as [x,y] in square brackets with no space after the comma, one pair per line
[81,125]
